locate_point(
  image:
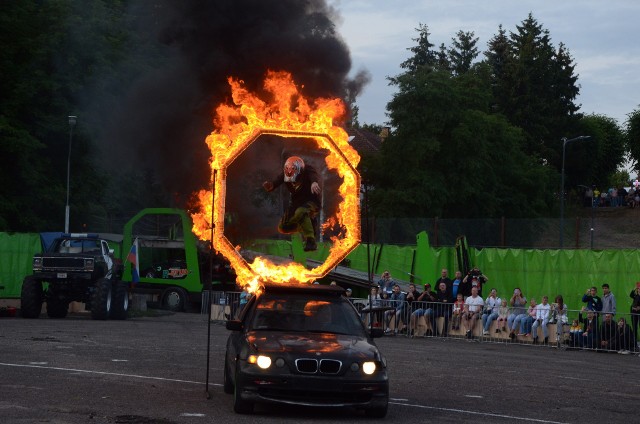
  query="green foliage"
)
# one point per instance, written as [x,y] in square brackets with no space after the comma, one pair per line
[603,152]
[57,58]
[463,52]
[535,87]
[620,179]
[423,54]
[484,140]
[633,138]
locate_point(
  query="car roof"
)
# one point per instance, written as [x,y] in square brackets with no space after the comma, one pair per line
[315,289]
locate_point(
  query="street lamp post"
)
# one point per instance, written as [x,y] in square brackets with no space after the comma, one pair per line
[72,123]
[565,141]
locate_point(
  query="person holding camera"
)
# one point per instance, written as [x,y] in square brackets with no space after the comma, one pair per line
[386,283]
[518,304]
[426,302]
[476,279]
[593,301]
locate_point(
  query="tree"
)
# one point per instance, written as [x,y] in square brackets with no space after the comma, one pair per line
[423,54]
[59,58]
[450,157]
[476,139]
[535,87]
[602,154]
[462,52]
[632,140]
[498,58]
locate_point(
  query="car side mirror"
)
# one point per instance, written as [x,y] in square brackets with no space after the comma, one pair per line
[234,325]
[376,332]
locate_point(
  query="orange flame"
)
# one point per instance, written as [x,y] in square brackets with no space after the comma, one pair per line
[237,127]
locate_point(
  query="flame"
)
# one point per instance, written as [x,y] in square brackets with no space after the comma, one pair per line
[237,127]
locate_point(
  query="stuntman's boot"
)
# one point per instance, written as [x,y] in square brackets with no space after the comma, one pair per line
[310,245]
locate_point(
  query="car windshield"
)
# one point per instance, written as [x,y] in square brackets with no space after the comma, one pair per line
[302,312]
[75,245]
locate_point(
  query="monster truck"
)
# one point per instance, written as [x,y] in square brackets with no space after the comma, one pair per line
[76,267]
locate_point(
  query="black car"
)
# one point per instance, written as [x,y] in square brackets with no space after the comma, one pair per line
[304,345]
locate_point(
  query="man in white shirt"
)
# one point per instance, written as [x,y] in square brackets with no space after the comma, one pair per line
[542,319]
[472,311]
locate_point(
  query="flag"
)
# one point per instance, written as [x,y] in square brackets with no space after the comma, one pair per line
[132,257]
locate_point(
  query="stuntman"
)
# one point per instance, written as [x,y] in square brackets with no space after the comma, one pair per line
[302,183]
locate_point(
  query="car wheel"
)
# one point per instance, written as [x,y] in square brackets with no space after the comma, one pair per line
[227,383]
[174,299]
[120,305]
[101,300]
[241,406]
[31,298]
[376,412]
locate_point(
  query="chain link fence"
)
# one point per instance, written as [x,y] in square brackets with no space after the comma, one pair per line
[595,232]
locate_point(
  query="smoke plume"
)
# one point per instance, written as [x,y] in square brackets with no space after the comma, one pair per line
[168,111]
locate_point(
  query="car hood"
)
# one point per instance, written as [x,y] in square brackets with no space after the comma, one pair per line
[304,343]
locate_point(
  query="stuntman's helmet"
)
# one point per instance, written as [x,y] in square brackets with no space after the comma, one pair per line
[293,167]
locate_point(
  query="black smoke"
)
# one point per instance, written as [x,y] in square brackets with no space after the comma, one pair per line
[168,109]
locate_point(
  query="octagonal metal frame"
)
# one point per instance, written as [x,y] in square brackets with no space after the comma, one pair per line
[323,140]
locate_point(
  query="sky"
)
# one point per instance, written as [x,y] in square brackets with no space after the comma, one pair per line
[603,38]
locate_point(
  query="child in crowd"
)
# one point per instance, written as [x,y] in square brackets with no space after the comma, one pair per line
[458,308]
[575,327]
[575,331]
[503,313]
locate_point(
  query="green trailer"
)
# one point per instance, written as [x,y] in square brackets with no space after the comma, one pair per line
[174,266]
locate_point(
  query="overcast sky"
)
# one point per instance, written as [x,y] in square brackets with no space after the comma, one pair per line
[602,36]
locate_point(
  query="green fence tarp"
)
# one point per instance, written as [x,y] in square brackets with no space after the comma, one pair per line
[16,256]
[566,272]
[537,272]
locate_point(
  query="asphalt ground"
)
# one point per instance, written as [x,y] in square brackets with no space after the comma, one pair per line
[152,369]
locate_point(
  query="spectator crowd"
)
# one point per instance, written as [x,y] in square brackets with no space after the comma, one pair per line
[457,306]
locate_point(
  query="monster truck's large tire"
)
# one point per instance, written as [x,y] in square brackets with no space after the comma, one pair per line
[101,300]
[174,299]
[31,298]
[120,304]
[57,308]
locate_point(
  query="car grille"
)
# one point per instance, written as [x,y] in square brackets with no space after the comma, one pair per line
[63,263]
[323,366]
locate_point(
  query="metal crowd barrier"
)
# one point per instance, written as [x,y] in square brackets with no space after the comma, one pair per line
[433,319]
[220,306]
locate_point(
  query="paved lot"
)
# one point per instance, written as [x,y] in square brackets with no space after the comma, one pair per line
[152,370]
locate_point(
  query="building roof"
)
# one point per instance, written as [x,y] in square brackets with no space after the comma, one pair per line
[364,141]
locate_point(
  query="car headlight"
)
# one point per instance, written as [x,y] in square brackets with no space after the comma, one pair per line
[262,361]
[37,263]
[368,367]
